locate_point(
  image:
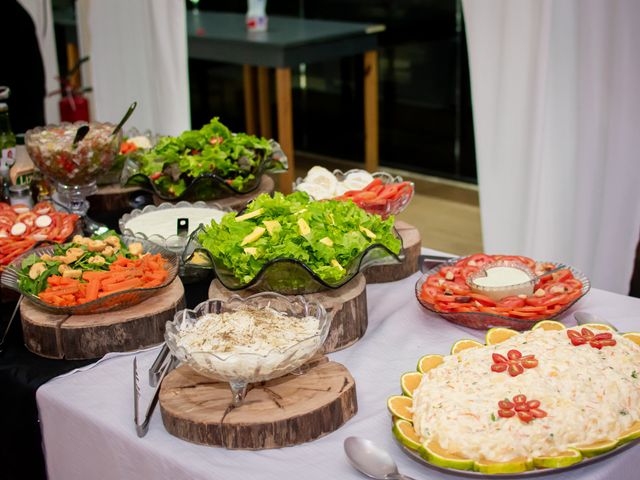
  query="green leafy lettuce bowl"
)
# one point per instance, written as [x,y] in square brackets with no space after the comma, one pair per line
[287,258]
[205,164]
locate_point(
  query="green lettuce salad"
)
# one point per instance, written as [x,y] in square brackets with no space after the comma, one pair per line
[327,236]
[175,161]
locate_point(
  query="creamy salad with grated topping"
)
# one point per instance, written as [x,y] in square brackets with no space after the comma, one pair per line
[589,395]
[265,333]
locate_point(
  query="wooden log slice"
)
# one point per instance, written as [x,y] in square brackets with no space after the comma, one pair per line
[287,411]
[347,305]
[411,242]
[236,202]
[77,337]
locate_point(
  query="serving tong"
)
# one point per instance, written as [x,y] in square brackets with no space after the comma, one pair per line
[162,365]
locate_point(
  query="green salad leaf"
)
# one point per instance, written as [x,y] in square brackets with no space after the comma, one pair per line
[214,149]
[327,236]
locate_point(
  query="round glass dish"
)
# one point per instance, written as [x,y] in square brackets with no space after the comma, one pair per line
[483,320]
[384,208]
[175,242]
[52,151]
[285,275]
[207,186]
[108,303]
[502,291]
[242,369]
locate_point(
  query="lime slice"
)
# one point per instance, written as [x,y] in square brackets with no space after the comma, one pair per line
[498,335]
[630,434]
[429,362]
[516,465]
[432,452]
[548,325]
[633,336]
[563,459]
[409,382]
[596,448]
[465,344]
[400,406]
[405,433]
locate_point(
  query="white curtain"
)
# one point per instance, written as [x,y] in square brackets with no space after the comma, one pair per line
[40,12]
[556,99]
[138,51]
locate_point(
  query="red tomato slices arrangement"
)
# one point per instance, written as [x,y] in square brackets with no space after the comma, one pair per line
[380,198]
[447,291]
[21,228]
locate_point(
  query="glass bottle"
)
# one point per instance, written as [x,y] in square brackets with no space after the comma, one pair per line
[7,145]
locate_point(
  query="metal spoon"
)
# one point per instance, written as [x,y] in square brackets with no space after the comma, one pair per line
[80,134]
[371,460]
[585,317]
[132,107]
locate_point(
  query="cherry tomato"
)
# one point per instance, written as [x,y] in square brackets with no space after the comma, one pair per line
[525,416]
[514,355]
[520,399]
[499,367]
[505,405]
[537,413]
[497,358]
[515,369]
[529,361]
[533,404]
[506,413]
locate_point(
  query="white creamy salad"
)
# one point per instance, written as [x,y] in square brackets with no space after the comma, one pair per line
[267,334]
[589,395]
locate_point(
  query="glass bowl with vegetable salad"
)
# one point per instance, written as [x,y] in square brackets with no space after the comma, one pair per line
[52,150]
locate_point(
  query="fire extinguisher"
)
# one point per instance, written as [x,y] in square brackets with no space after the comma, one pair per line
[73,104]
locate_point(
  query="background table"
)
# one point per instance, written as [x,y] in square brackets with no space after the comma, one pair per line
[290,41]
[87,417]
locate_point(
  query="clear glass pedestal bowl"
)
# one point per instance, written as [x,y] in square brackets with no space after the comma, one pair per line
[74,169]
[242,369]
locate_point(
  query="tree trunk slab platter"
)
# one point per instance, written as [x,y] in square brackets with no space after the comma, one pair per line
[76,337]
[347,305]
[236,202]
[411,243]
[283,412]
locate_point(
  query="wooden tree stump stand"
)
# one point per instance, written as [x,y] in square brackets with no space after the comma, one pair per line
[347,305]
[411,242]
[286,411]
[236,202]
[76,337]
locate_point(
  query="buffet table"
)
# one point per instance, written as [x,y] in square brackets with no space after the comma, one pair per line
[87,416]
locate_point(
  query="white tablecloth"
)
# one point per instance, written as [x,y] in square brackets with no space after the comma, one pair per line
[87,417]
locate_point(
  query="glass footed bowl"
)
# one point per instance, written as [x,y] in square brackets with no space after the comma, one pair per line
[176,242]
[108,303]
[51,149]
[485,320]
[112,177]
[207,186]
[286,275]
[384,208]
[242,369]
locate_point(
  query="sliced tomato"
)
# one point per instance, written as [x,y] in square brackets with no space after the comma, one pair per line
[511,302]
[483,299]
[477,260]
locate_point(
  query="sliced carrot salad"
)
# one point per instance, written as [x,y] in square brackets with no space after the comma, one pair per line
[123,274]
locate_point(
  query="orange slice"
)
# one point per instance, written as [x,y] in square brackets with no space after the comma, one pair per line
[409,382]
[633,336]
[429,362]
[404,431]
[399,406]
[498,335]
[465,344]
[549,325]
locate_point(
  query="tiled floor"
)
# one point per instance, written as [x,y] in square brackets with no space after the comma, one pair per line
[446,213]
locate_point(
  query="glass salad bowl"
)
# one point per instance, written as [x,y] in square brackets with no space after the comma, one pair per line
[379,206]
[286,275]
[517,318]
[74,168]
[207,186]
[169,225]
[245,367]
[108,303]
